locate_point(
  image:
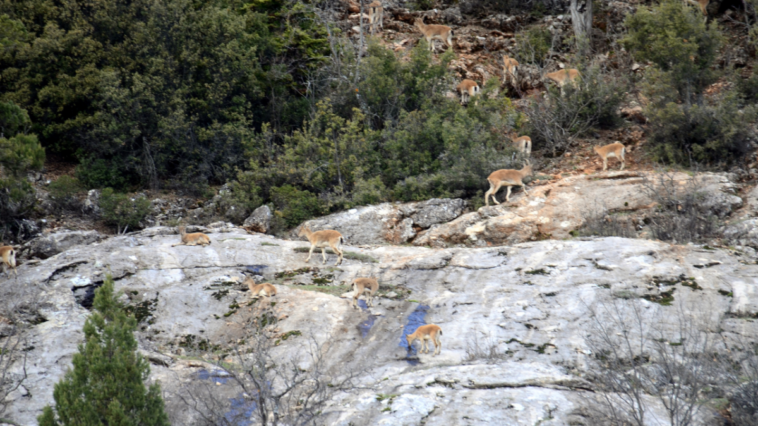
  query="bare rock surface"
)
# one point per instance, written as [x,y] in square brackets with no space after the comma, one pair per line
[555,210]
[531,303]
[393,223]
[49,245]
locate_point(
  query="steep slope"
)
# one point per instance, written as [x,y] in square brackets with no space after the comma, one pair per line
[517,321]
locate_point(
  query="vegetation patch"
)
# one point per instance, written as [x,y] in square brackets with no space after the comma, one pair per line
[726,293]
[192,342]
[540,271]
[334,290]
[286,336]
[143,311]
[664,298]
[346,254]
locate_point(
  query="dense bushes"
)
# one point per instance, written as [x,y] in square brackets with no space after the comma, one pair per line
[686,124]
[122,211]
[557,120]
[19,153]
[413,144]
[148,92]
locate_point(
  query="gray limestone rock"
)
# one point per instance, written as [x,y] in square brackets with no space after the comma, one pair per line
[259,220]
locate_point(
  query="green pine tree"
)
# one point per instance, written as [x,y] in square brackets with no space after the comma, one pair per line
[106,386]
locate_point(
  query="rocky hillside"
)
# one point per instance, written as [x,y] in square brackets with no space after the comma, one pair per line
[521,324]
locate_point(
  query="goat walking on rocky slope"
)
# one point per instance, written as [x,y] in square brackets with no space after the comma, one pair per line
[615,149]
[322,239]
[508,178]
[430,32]
[364,285]
[425,333]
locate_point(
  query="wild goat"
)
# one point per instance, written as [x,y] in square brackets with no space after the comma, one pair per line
[522,143]
[197,238]
[9,260]
[425,333]
[430,32]
[467,88]
[375,16]
[508,178]
[615,149]
[322,239]
[510,70]
[260,290]
[564,77]
[364,285]
[703,4]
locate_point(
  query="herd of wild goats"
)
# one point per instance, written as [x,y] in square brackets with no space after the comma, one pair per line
[333,239]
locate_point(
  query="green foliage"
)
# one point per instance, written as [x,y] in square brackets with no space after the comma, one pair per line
[294,205]
[674,37]
[19,153]
[716,132]
[64,192]
[94,172]
[686,125]
[121,211]
[146,93]
[533,45]
[106,385]
[556,121]
[17,199]
[748,87]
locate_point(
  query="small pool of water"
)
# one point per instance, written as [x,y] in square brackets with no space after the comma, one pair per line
[256,269]
[366,325]
[240,411]
[415,320]
[218,376]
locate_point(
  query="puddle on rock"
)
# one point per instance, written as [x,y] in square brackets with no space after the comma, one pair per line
[415,320]
[256,269]
[366,325]
[240,411]
[218,376]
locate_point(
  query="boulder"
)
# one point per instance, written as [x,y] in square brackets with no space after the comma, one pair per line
[92,203]
[259,220]
[51,244]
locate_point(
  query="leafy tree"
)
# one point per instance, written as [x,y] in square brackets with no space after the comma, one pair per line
[106,386]
[686,124]
[19,153]
[674,37]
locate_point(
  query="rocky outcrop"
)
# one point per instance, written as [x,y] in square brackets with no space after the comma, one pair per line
[516,319]
[49,245]
[259,220]
[557,209]
[389,223]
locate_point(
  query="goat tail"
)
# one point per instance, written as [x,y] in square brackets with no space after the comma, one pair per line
[342,240]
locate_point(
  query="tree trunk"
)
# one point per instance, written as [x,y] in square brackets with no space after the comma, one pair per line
[581,19]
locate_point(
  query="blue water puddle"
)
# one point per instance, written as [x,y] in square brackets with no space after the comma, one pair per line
[218,376]
[256,269]
[365,326]
[415,320]
[240,411]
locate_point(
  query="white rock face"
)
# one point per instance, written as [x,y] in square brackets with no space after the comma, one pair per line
[531,303]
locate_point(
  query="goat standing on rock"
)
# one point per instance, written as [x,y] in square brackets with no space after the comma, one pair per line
[425,333]
[9,260]
[364,285]
[508,178]
[322,239]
